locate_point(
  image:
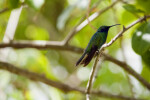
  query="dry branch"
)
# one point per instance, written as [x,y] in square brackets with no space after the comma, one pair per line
[77,28]
[145,83]
[41,45]
[62,46]
[129,70]
[58,46]
[3,10]
[66,88]
[36,77]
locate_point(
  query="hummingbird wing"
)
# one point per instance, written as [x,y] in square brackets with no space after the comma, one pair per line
[90,50]
[87,56]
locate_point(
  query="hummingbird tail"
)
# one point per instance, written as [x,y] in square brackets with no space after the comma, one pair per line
[81,59]
[87,57]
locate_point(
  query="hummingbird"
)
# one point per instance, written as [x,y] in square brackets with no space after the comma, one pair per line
[96,42]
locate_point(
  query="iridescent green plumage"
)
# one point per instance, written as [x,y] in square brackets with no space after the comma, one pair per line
[97,40]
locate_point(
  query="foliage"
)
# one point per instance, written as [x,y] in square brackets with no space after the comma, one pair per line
[52,20]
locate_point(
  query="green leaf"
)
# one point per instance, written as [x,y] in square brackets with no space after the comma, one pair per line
[144,5]
[13,3]
[141,39]
[146,58]
[132,8]
[146,72]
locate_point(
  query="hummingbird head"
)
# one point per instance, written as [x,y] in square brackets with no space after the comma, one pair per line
[105,28]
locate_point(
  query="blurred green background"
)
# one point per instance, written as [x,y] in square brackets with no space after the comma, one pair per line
[52,20]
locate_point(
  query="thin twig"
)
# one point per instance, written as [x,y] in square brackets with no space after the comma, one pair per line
[41,45]
[109,44]
[92,78]
[36,77]
[123,54]
[4,10]
[127,28]
[56,45]
[66,88]
[77,28]
[112,96]
[73,31]
[87,16]
[90,82]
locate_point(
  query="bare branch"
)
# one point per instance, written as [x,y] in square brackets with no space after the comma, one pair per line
[61,46]
[66,88]
[3,10]
[145,83]
[90,82]
[125,29]
[36,77]
[129,70]
[87,16]
[77,28]
[91,78]
[41,45]
[103,94]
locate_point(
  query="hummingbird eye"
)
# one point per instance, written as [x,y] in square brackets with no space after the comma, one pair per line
[103,29]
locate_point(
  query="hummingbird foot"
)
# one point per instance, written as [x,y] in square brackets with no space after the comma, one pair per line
[97,52]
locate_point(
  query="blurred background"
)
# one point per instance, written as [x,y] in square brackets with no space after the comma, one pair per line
[54,20]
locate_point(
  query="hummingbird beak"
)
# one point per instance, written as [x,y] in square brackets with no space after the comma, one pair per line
[113,25]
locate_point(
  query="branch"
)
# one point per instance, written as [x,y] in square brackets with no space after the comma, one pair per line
[61,46]
[125,29]
[3,10]
[91,79]
[77,28]
[66,88]
[103,94]
[145,83]
[41,45]
[129,70]
[87,17]
[36,77]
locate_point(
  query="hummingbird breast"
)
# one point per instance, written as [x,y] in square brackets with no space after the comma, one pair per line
[98,39]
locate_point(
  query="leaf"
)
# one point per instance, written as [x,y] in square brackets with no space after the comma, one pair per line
[132,8]
[144,5]
[146,58]
[146,72]
[13,3]
[141,39]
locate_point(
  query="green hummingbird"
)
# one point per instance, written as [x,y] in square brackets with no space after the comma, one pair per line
[97,40]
